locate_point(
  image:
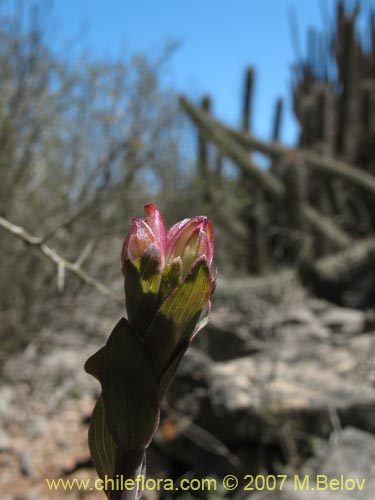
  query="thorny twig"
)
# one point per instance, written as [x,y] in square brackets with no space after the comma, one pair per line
[52,255]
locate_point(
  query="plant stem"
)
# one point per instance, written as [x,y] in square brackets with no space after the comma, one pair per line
[128,466]
[132,494]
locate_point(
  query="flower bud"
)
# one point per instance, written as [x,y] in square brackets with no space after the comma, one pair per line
[146,236]
[168,285]
[190,239]
[155,262]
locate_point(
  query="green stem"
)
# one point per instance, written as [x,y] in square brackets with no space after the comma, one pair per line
[132,494]
[128,466]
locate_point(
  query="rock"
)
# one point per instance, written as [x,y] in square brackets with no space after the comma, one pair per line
[5,440]
[189,386]
[370,320]
[351,454]
[297,316]
[298,321]
[6,400]
[309,332]
[194,449]
[56,376]
[28,496]
[227,336]
[298,380]
[272,358]
[351,457]
[319,306]
[344,320]
[195,366]
[37,426]
[26,463]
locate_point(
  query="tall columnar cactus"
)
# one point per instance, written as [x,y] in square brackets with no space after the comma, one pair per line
[333,100]
[257,233]
[248,98]
[328,88]
[276,126]
[168,284]
[203,158]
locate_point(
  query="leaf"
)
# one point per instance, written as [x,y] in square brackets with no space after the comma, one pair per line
[203,320]
[102,447]
[94,364]
[142,281]
[170,279]
[129,390]
[176,319]
[167,376]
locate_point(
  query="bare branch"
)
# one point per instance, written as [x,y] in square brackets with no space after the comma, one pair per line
[52,255]
[68,221]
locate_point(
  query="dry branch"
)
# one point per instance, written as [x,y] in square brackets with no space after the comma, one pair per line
[61,263]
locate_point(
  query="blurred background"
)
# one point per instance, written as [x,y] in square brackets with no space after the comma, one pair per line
[260,116]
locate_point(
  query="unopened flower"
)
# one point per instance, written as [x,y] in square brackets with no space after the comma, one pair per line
[146,236]
[187,240]
[190,240]
[168,284]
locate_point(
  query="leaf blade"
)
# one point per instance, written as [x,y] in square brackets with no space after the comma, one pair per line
[129,390]
[101,444]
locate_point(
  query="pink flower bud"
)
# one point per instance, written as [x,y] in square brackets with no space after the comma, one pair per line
[146,236]
[168,285]
[156,223]
[190,239]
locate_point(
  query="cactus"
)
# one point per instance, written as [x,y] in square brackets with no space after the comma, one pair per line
[331,276]
[257,234]
[338,124]
[295,203]
[222,137]
[277,120]
[203,166]
[248,99]
[318,198]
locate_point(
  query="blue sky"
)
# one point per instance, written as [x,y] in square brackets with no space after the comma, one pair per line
[218,39]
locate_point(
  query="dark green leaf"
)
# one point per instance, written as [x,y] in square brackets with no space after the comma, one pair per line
[101,444]
[129,390]
[167,376]
[94,364]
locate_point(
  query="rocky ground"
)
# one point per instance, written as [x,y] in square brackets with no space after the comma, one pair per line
[280,382]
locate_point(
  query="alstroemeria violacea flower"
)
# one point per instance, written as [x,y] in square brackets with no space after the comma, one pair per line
[168,284]
[188,240]
[155,261]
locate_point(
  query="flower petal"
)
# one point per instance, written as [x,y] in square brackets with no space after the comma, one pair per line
[155,221]
[190,239]
[139,238]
